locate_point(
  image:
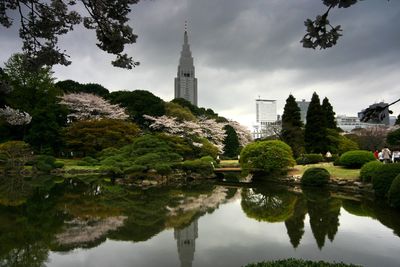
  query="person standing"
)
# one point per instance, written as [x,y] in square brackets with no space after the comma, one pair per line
[376,154]
[386,154]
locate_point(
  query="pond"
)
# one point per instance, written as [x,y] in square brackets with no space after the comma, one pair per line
[88,221]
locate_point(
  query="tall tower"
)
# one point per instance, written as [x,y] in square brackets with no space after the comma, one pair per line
[185,82]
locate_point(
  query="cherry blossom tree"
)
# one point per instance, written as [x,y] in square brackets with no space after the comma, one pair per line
[15,116]
[86,106]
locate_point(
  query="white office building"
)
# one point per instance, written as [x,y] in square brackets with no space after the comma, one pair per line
[266,118]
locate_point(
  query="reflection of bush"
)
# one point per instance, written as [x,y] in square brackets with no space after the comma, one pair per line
[269,206]
[298,263]
[394,193]
[324,214]
[358,208]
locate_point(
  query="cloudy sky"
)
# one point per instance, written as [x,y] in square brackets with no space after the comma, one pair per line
[244,50]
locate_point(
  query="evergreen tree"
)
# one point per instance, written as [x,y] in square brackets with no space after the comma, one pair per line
[329,114]
[231,142]
[315,135]
[397,120]
[292,133]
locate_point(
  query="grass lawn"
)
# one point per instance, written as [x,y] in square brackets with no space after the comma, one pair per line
[335,171]
[71,164]
[229,163]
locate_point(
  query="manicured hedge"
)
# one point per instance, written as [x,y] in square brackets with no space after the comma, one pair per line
[394,193]
[298,263]
[315,177]
[384,177]
[45,163]
[271,157]
[309,159]
[369,170]
[356,158]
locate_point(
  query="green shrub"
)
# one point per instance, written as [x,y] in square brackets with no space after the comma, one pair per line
[356,158]
[135,169]
[315,177]
[383,178]
[336,161]
[45,163]
[309,159]
[91,161]
[58,164]
[298,263]
[198,166]
[369,170]
[271,157]
[394,193]
[163,168]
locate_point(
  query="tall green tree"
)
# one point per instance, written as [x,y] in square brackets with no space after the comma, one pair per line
[231,142]
[315,134]
[292,132]
[397,120]
[329,114]
[34,92]
[139,103]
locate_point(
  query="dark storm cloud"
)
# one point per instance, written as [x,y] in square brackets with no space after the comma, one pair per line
[246,49]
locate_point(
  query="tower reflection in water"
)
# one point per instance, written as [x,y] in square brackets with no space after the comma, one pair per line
[186,242]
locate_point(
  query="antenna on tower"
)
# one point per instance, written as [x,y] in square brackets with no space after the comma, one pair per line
[185,25]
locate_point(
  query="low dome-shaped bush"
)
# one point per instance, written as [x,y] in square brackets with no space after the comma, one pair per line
[315,177]
[309,159]
[271,157]
[356,158]
[383,178]
[369,170]
[394,193]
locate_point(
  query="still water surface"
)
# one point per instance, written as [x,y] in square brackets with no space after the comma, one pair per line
[87,221]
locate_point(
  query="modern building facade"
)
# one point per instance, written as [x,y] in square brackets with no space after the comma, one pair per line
[266,118]
[303,106]
[349,123]
[185,82]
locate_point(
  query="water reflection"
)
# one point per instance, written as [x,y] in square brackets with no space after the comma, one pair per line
[44,214]
[186,243]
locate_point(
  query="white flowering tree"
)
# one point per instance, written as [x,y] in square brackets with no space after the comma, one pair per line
[84,106]
[204,128]
[15,116]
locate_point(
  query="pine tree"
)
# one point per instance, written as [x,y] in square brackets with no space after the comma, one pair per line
[315,135]
[231,142]
[292,132]
[329,114]
[397,120]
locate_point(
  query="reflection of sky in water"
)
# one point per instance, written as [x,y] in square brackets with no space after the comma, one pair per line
[227,237]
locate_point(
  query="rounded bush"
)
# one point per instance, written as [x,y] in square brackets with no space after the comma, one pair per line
[383,178]
[58,164]
[356,158]
[134,169]
[309,159]
[270,157]
[45,163]
[369,170]
[315,177]
[394,193]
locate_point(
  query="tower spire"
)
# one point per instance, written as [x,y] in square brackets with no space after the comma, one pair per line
[185,36]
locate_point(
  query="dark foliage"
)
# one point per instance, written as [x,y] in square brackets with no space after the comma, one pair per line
[383,178]
[70,86]
[329,114]
[292,132]
[43,22]
[315,135]
[231,142]
[139,103]
[394,193]
[369,170]
[309,159]
[298,263]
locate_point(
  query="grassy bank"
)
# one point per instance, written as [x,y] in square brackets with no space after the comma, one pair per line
[337,172]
